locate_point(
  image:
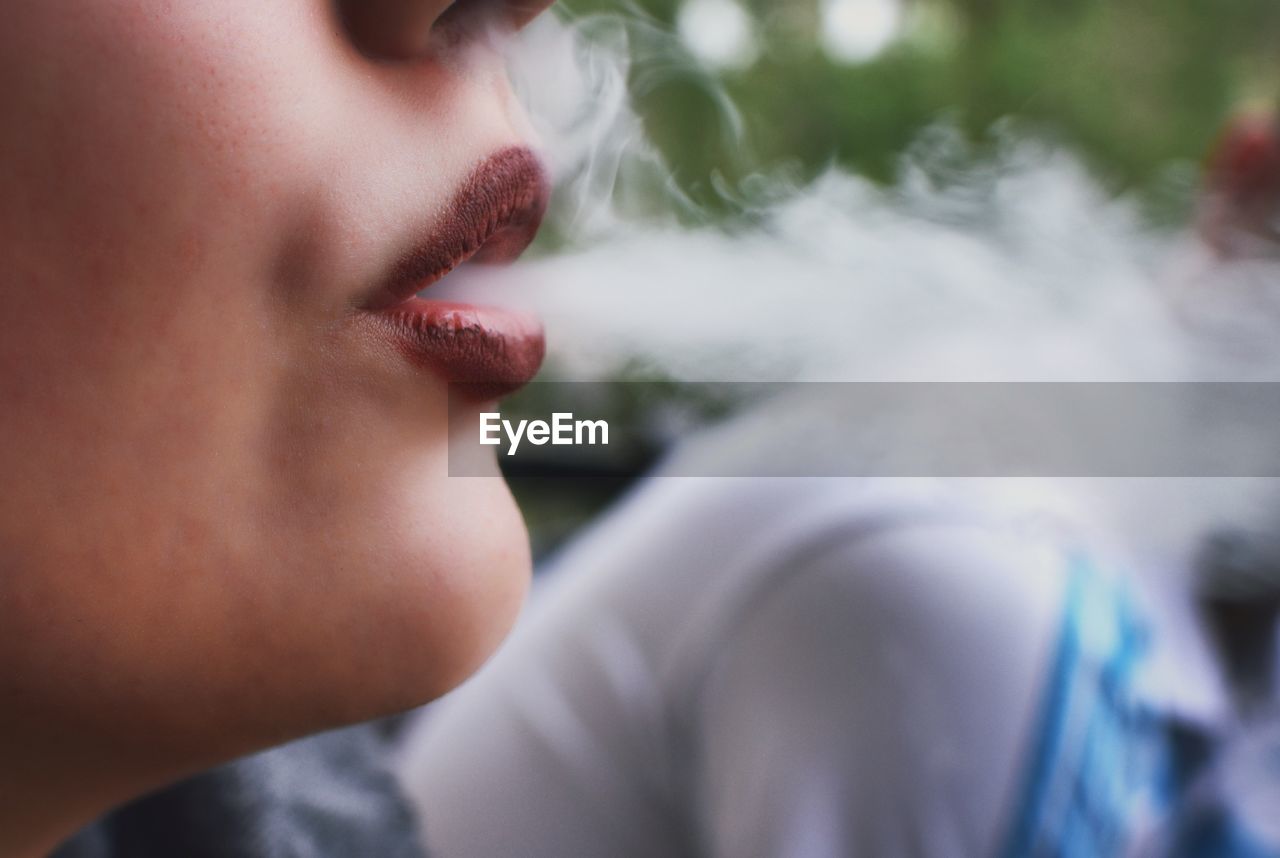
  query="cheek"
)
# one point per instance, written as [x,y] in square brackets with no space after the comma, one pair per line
[199,469]
[154,158]
[151,151]
[131,217]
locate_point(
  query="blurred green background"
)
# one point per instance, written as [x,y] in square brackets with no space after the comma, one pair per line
[1137,88]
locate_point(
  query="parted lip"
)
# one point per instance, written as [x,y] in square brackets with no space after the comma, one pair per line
[492,218]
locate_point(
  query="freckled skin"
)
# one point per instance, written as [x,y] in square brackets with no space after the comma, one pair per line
[226,519]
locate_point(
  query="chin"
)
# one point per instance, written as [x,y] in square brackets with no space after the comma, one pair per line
[352,618]
[424,617]
[470,605]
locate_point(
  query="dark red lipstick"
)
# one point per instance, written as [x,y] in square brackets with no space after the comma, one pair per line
[492,218]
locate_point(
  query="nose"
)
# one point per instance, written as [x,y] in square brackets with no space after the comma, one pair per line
[402,29]
[392,29]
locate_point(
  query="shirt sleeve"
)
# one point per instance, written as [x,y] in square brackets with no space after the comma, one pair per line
[876,702]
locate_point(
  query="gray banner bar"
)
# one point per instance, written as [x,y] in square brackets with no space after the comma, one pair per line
[1202,429]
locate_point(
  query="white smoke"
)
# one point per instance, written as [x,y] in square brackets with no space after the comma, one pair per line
[1016,266]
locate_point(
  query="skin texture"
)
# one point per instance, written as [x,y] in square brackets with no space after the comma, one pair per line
[226,519]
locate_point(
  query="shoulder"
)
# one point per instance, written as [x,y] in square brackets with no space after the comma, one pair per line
[913,646]
[864,561]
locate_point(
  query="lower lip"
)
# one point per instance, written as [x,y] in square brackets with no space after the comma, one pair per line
[487,352]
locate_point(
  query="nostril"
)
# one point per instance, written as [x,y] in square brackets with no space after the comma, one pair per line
[391,29]
[521,12]
[406,29]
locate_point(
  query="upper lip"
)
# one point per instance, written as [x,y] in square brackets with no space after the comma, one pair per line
[494,216]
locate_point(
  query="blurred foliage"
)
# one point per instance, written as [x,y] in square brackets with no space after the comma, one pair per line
[1134,86]
[1137,88]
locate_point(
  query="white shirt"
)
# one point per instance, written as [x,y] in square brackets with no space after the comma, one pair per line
[777,667]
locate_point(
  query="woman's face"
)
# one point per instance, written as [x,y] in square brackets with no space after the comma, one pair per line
[226,517]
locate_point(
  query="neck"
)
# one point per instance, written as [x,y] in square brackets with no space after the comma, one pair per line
[36,815]
[50,791]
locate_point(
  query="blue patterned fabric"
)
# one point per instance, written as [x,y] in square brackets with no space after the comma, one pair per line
[1110,774]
